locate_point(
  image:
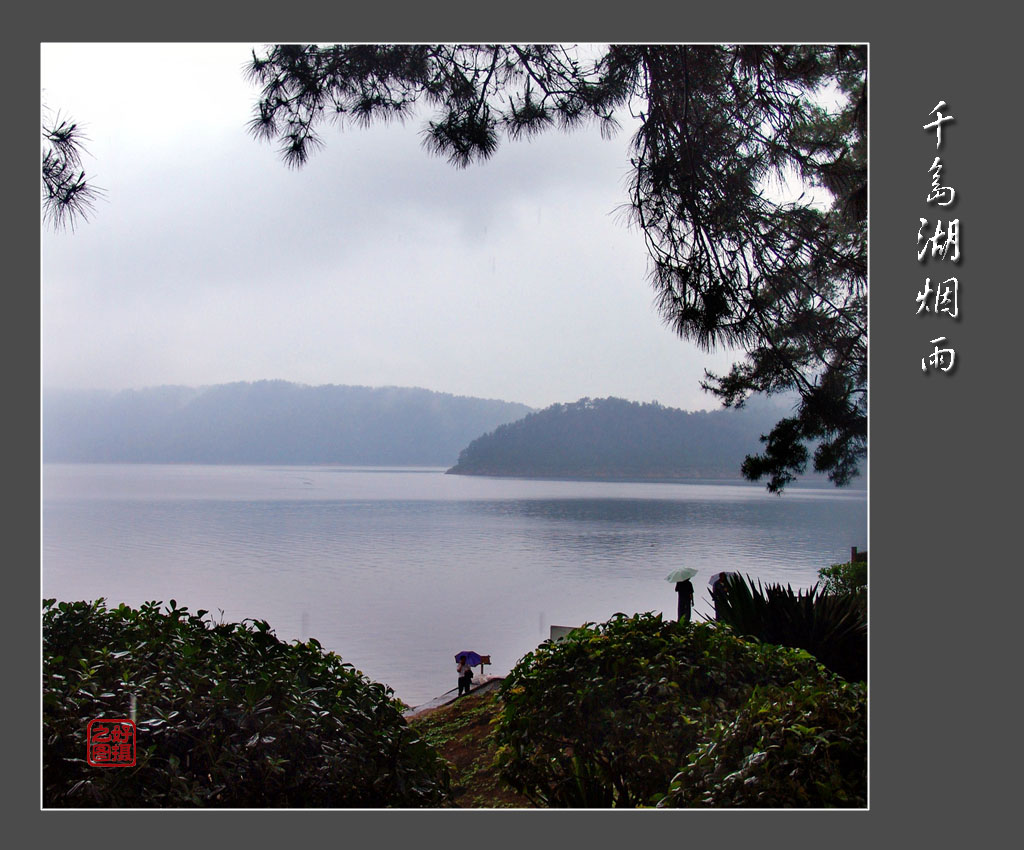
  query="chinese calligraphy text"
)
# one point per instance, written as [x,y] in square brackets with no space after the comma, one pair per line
[939,299]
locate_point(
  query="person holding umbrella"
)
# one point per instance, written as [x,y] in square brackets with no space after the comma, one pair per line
[717,584]
[465,670]
[685,591]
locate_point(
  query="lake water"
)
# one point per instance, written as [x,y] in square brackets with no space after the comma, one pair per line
[398,569]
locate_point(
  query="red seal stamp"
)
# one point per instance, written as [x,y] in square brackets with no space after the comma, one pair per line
[111,743]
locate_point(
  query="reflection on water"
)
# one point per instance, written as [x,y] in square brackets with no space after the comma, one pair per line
[396,570]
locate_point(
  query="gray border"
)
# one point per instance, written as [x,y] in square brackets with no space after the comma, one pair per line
[930,503]
[936,441]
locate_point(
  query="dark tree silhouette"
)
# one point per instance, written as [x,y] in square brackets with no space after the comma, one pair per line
[784,281]
[67,194]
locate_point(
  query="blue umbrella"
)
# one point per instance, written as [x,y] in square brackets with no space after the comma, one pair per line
[472,658]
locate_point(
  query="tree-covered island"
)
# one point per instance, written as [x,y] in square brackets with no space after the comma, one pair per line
[616,439]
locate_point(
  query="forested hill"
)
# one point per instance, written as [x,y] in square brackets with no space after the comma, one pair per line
[616,439]
[267,422]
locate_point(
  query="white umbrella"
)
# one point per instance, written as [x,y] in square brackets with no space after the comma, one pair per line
[685,596]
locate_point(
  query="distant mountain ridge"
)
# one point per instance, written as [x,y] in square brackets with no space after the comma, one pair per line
[267,422]
[613,438]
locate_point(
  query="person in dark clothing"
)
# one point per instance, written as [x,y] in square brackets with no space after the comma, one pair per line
[685,591]
[718,595]
[465,675]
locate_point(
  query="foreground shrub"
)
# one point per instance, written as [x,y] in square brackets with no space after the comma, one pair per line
[227,716]
[804,745]
[611,713]
[833,628]
[851,577]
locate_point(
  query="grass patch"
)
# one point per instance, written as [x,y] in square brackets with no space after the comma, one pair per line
[462,733]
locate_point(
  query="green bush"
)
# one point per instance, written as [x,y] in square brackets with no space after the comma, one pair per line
[851,577]
[803,745]
[833,629]
[228,715]
[608,715]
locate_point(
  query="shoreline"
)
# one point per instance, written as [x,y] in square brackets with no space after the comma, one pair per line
[480,684]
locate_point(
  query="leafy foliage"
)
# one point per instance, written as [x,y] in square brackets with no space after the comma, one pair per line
[608,715]
[851,577]
[67,194]
[833,628]
[803,745]
[228,716]
[732,264]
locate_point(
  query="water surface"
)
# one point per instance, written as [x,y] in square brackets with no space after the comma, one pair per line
[398,569]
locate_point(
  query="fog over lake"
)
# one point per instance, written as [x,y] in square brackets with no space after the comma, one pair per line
[397,569]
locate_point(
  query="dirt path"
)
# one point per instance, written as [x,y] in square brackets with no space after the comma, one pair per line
[461,732]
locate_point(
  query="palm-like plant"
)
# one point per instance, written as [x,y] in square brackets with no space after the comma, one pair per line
[833,628]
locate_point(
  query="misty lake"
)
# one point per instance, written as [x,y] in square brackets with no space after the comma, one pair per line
[398,569]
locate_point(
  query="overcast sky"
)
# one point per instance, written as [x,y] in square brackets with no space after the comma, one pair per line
[208,260]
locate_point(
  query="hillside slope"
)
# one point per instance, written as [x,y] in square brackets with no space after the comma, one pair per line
[463,734]
[616,439]
[267,422]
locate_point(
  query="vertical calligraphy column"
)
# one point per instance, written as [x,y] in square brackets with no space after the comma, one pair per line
[940,298]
